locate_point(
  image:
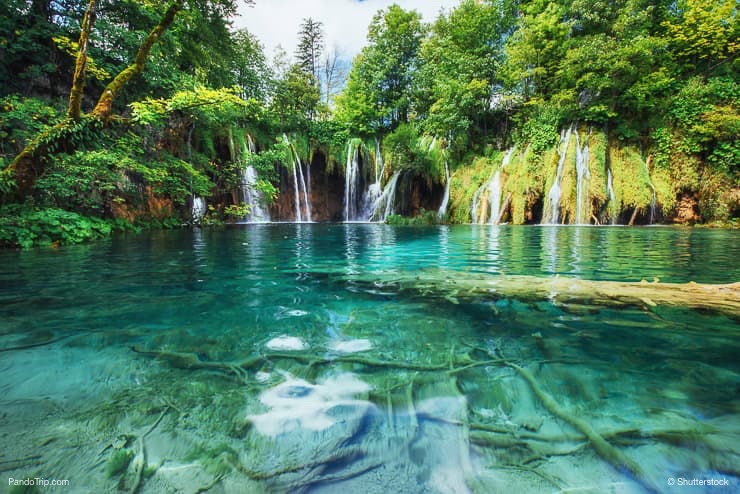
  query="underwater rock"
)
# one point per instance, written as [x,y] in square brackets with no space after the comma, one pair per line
[286,343]
[296,404]
[351,346]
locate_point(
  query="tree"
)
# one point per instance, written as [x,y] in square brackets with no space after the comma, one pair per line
[69,133]
[249,66]
[295,98]
[335,69]
[31,63]
[704,34]
[310,47]
[457,75]
[379,86]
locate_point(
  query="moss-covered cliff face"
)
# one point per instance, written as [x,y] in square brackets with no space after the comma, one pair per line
[588,178]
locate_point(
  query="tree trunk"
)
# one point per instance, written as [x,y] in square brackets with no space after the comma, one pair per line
[78,82]
[634,217]
[104,107]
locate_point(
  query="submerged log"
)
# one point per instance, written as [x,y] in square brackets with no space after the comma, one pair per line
[724,298]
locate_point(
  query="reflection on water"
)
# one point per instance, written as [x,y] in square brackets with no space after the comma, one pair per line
[268,358]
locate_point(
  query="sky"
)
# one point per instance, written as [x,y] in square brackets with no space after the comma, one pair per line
[276,22]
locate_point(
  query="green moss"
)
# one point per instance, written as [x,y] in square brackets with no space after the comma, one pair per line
[716,196]
[118,462]
[630,178]
[664,190]
[568,184]
[597,169]
[464,182]
[524,180]
[215,459]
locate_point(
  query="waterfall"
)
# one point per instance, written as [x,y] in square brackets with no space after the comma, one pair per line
[296,196]
[446,197]
[352,182]
[476,206]
[610,191]
[583,177]
[551,212]
[300,185]
[385,205]
[379,165]
[654,200]
[306,200]
[375,189]
[478,210]
[495,189]
[251,195]
[198,210]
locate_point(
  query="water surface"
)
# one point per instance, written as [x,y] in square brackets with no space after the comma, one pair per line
[265,358]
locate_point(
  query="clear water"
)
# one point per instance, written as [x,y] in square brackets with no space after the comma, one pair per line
[296,372]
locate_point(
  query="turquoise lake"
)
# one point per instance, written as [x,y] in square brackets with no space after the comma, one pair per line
[306,358]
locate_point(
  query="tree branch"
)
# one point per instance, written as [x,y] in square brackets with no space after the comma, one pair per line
[78,82]
[104,107]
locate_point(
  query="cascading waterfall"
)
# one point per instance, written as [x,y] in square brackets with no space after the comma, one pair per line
[610,191]
[495,190]
[385,205]
[198,211]
[583,177]
[299,186]
[653,202]
[251,195]
[551,213]
[446,197]
[375,189]
[474,207]
[352,183]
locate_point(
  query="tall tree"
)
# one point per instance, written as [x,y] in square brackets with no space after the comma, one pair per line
[456,81]
[295,98]
[379,86]
[249,66]
[310,47]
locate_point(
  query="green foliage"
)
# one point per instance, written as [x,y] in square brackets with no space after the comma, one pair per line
[237,211]
[541,128]
[22,119]
[87,181]
[25,227]
[208,107]
[703,32]
[331,137]
[405,150]
[295,99]
[424,218]
[457,68]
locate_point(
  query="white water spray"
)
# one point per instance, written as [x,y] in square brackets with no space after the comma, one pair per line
[551,212]
[583,177]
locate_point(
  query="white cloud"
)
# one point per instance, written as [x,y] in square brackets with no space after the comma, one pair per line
[276,22]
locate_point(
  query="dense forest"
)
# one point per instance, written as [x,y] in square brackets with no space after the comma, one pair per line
[119,115]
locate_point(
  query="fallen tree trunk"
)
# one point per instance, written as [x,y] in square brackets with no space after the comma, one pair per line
[724,298]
